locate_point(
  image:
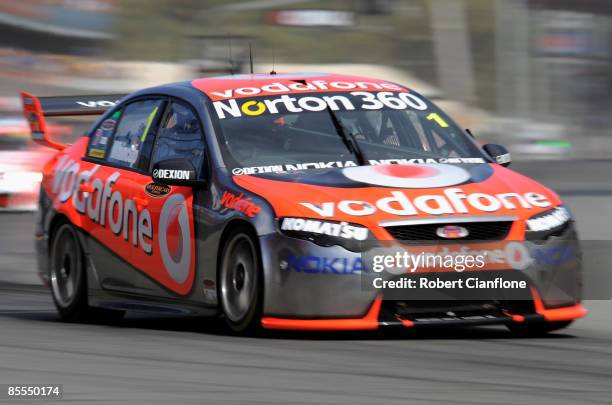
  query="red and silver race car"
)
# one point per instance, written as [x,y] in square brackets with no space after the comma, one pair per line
[269,200]
[21,164]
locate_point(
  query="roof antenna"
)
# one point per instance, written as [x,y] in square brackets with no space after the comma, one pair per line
[231,59]
[273,72]
[251,57]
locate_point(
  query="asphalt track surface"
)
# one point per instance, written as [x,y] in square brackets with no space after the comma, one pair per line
[182,361]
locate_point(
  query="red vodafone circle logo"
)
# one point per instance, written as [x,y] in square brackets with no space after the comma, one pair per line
[408,176]
[174,238]
[517,255]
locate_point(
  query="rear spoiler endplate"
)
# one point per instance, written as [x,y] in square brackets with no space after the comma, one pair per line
[35,109]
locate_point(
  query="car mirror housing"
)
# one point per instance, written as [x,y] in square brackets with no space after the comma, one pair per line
[176,172]
[499,153]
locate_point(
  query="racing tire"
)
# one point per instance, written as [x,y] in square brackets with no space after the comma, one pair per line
[68,280]
[537,329]
[240,282]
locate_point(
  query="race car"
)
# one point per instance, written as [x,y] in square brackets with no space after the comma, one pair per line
[21,163]
[267,199]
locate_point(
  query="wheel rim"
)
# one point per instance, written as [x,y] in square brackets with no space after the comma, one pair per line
[238,278]
[65,271]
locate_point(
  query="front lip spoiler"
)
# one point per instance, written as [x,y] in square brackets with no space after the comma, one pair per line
[368,322]
[557,314]
[371,320]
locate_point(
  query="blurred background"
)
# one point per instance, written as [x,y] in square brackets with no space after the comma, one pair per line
[534,75]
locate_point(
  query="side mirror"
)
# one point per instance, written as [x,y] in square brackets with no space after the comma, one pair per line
[499,153]
[176,172]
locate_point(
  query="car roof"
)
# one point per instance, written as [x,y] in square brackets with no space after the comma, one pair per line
[250,85]
[221,88]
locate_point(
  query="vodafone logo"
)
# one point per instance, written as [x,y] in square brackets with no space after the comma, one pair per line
[450,201]
[109,208]
[312,85]
[517,256]
[408,176]
[175,238]
[97,103]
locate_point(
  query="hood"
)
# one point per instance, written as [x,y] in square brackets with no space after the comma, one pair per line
[369,195]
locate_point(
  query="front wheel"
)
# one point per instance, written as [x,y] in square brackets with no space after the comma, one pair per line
[240,282]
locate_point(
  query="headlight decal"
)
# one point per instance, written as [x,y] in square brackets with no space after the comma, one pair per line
[549,220]
[352,237]
[337,229]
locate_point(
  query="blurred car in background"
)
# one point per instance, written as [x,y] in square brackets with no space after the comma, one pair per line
[21,162]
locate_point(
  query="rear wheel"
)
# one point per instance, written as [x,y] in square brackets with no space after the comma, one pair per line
[68,279]
[240,282]
[537,329]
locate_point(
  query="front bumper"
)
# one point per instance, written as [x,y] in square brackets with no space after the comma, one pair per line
[19,191]
[303,291]
[18,201]
[378,316]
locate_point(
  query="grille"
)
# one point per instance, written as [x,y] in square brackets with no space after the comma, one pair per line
[496,230]
[415,310]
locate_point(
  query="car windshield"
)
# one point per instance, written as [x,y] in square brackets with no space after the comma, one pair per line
[316,130]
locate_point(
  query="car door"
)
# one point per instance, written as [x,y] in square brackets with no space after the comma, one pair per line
[171,260]
[120,222]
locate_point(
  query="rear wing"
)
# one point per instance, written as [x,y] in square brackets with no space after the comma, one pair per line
[35,109]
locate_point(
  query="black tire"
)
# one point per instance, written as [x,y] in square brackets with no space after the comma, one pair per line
[240,282]
[68,279]
[537,329]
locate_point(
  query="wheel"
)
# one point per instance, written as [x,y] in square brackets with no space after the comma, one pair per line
[537,329]
[240,282]
[68,279]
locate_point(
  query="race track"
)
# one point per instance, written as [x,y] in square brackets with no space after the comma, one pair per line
[174,361]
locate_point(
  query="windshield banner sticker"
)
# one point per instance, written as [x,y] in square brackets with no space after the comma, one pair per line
[287,104]
[301,87]
[238,171]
